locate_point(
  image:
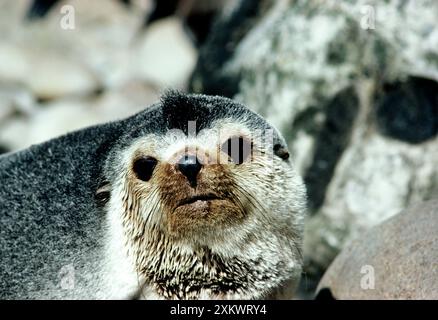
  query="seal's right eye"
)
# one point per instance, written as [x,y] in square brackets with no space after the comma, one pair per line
[238,149]
[144,167]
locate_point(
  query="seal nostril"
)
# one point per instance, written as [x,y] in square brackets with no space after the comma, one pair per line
[190,167]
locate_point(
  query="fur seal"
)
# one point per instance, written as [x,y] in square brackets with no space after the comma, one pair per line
[193,198]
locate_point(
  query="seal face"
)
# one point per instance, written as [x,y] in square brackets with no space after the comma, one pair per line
[203,204]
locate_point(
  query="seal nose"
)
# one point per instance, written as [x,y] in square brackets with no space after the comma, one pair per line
[189,166]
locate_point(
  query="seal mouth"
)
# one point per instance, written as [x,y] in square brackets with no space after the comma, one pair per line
[203,198]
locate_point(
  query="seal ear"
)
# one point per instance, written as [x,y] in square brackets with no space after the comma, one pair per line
[281,151]
[103,194]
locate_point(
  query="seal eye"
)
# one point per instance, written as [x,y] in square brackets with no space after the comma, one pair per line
[237,148]
[144,167]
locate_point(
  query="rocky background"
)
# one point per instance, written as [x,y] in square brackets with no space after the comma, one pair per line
[353,85]
[108,66]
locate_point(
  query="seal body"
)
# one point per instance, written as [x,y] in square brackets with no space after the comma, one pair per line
[194,198]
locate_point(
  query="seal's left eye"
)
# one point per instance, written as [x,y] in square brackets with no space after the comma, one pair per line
[144,167]
[238,149]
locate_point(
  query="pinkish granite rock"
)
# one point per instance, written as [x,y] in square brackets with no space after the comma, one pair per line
[397,259]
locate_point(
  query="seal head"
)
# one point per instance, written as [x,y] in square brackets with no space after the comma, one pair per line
[202,201]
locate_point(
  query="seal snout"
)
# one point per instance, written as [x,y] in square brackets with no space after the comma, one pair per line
[189,166]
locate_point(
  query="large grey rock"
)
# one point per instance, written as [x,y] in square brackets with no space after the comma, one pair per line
[354,87]
[397,259]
